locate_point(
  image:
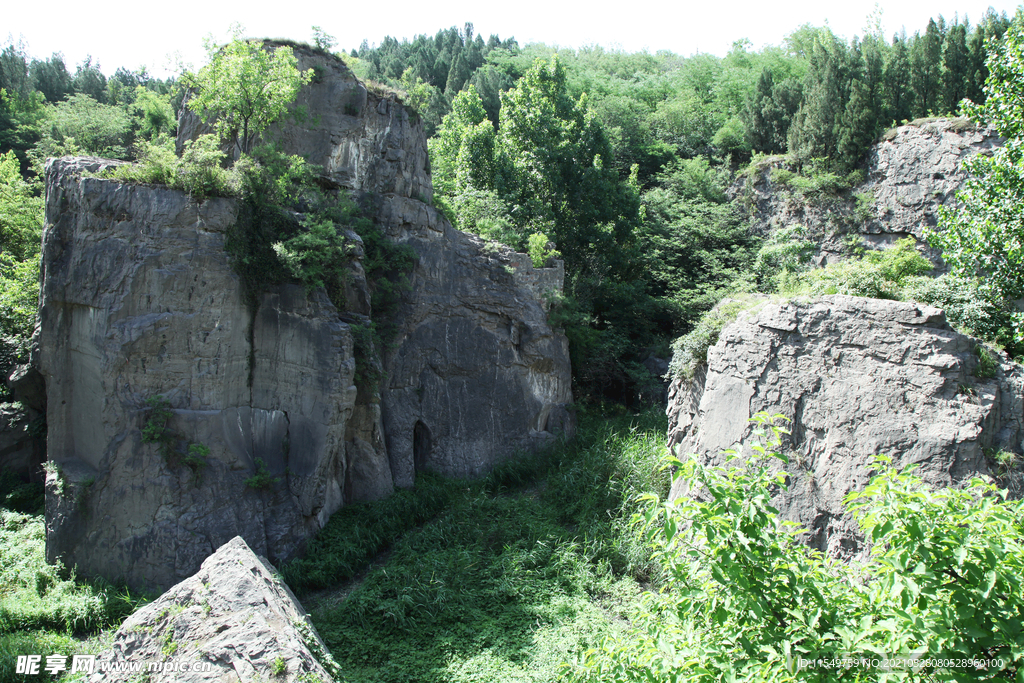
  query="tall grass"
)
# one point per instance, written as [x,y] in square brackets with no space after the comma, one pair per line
[42,606]
[502,579]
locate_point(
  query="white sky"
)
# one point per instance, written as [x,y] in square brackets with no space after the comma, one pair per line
[131,33]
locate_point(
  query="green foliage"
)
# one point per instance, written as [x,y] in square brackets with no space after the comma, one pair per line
[196,458]
[36,595]
[317,256]
[988,362]
[199,172]
[323,40]
[748,601]
[981,236]
[81,125]
[695,243]
[493,580]
[969,305]
[244,88]
[21,496]
[878,275]
[262,479]
[21,211]
[155,430]
[155,113]
[785,252]
[540,249]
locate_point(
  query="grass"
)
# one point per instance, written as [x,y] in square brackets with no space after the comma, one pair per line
[502,579]
[43,608]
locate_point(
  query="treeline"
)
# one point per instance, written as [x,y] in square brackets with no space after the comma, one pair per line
[46,110]
[620,162]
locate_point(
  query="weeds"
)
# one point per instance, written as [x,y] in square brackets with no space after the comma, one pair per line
[500,579]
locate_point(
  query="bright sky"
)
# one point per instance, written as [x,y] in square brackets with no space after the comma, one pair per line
[131,33]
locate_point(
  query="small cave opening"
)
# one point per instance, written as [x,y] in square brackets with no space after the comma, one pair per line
[420,446]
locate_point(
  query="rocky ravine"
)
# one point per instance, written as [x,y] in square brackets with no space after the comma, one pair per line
[139,300]
[856,377]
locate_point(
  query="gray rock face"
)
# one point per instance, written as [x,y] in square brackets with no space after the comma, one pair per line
[856,377]
[476,372]
[234,620]
[910,175]
[364,140]
[139,301]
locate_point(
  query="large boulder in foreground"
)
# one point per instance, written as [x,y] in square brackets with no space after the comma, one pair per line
[235,620]
[856,377]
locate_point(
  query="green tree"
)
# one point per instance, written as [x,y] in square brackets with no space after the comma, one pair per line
[926,70]
[89,80]
[81,125]
[51,78]
[955,68]
[245,87]
[983,236]
[896,76]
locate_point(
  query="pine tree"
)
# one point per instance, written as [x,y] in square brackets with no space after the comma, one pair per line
[898,95]
[926,66]
[955,68]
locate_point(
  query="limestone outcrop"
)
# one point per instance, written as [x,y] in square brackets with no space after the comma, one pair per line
[138,302]
[234,620]
[910,174]
[856,377]
[268,433]
[476,372]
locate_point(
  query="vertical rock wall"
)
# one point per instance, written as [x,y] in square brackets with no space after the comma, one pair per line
[139,300]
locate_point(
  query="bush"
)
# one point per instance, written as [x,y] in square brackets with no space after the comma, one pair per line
[969,305]
[878,275]
[784,251]
[747,600]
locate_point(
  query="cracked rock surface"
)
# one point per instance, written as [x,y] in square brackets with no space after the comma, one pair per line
[855,377]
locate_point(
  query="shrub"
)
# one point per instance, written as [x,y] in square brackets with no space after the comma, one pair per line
[878,275]
[747,601]
[540,249]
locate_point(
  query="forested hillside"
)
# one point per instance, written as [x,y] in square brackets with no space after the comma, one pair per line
[617,162]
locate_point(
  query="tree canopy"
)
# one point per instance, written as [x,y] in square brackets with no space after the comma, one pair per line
[245,87]
[983,236]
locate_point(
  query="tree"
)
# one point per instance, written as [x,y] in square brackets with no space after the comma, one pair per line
[245,87]
[984,234]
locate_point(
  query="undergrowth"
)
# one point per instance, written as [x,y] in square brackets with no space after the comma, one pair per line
[501,579]
[44,609]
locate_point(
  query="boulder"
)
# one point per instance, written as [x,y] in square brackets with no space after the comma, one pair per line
[854,377]
[234,620]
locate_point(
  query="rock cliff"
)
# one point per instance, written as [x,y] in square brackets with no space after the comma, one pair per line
[856,377]
[910,174]
[140,301]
